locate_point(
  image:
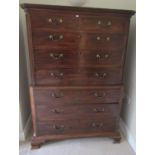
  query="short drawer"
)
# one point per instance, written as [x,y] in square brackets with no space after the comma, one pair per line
[78,76]
[101,57]
[54,112]
[59,57]
[74,95]
[50,39]
[76,126]
[104,23]
[56,20]
[106,40]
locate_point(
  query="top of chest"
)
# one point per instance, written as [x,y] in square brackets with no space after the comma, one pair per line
[77,18]
[69,9]
[76,11]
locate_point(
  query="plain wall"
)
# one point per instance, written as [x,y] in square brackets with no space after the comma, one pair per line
[129,107]
[24,105]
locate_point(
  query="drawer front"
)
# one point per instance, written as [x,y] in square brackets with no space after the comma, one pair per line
[78,76]
[74,95]
[54,112]
[56,20]
[77,126]
[56,57]
[46,59]
[103,57]
[106,40]
[50,38]
[80,40]
[104,23]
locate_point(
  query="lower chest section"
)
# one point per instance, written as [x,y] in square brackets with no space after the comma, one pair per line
[69,110]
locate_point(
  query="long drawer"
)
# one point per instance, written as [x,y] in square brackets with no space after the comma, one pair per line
[47,58]
[54,112]
[78,21]
[80,40]
[78,76]
[108,124]
[74,95]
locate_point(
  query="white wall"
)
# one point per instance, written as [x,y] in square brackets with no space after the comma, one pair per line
[117,4]
[129,80]
[24,104]
[129,108]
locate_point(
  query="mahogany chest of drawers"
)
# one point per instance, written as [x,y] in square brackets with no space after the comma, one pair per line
[76,57]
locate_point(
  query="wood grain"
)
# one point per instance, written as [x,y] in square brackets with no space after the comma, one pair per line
[76,111]
[76,95]
[76,126]
[78,76]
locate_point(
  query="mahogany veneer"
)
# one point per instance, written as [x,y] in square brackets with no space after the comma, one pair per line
[76,62]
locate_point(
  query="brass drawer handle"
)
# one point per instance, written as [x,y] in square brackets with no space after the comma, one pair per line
[77,16]
[106,56]
[50,37]
[108,38]
[50,20]
[98,38]
[55,21]
[100,75]
[98,56]
[57,75]
[96,94]
[60,20]
[61,37]
[59,127]
[55,37]
[99,22]
[58,95]
[109,23]
[57,111]
[56,56]
[98,110]
[97,125]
